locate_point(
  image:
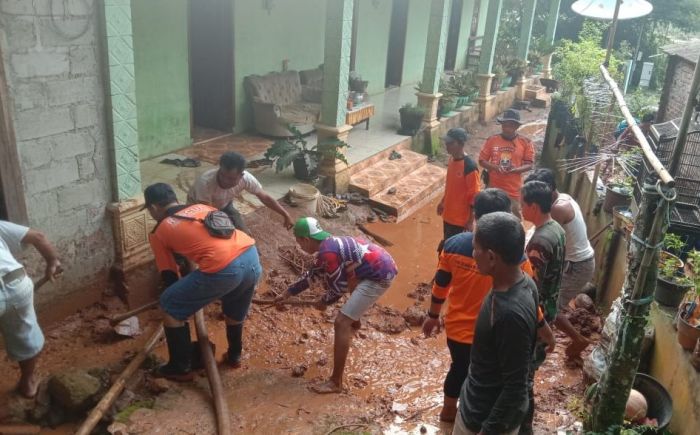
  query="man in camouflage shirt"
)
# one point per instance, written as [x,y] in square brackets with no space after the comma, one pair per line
[545,250]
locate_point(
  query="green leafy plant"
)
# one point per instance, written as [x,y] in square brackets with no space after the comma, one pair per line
[285,151]
[355,82]
[412,109]
[669,271]
[693,261]
[673,243]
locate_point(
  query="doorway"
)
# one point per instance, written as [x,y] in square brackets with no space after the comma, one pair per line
[397,43]
[211,65]
[453,35]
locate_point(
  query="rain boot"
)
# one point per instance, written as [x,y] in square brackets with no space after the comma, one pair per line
[180,350]
[449,409]
[234,334]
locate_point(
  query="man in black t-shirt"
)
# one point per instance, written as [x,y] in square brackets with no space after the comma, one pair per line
[494,397]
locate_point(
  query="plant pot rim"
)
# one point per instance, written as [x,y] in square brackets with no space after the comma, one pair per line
[611,185]
[673,283]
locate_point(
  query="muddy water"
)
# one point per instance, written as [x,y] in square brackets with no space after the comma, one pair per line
[415,242]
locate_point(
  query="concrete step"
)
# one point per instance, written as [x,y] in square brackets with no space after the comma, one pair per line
[542,101]
[413,191]
[533,92]
[385,172]
[404,144]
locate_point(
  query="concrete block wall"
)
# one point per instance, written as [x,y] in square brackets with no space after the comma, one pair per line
[679,77]
[51,55]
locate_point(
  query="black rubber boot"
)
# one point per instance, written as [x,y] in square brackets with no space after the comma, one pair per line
[234,334]
[180,350]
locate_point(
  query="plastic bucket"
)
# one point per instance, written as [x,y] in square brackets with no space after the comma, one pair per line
[305,196]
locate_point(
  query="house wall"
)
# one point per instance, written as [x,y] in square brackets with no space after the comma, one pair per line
[262,42]
[161,64]
[679,77]
[416,41]
[374,19]
[464,31]
[57,107]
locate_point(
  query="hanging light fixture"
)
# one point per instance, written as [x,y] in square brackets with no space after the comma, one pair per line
[605,9]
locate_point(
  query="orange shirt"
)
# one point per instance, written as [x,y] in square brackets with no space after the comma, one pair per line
[508,154]
[458,279]
[461,186]
[192,240]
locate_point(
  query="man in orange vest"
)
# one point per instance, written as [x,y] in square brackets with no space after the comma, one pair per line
[229,269]
[506,156]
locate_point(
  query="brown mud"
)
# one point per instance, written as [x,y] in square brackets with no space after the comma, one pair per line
[394,375]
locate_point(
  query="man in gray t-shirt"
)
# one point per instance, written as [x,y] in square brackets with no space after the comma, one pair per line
[18,324]
[219,187]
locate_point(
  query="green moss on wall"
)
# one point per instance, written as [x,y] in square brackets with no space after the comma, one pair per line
[262,39]
[416,40]
[161,75]
[374,23]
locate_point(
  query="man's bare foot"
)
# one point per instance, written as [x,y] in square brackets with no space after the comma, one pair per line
[327,387]
[28,389]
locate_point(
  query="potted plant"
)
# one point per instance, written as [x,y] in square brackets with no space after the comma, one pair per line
[516,70]
[618,193]
[411,119]
[295,151]
[497,82]
[673,247]
[356,84]
[464,87]
[689,312]
[671,285]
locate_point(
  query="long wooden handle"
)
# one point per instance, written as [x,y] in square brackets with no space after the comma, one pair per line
[116,389]
[223,417]
[23,429]
[272,302]
[117,318]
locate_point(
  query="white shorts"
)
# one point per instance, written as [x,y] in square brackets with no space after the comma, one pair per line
[18,323]
[363,297]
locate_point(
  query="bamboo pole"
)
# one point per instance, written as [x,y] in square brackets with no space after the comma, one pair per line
[116,389]
[223,416]
[117,318]
[649,155]
[616,382]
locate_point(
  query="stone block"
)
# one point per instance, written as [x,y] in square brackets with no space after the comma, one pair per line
[51,177]
[84,60]
[29,96]
[42,122]
[74,390]
[67,32]
[43,204]
[86,167]
[17,7]
[63,226]
[71,144]
[34,153]
[40,64]
[80,7]
[87,115]
[20,33]
[84,89]
[79,195]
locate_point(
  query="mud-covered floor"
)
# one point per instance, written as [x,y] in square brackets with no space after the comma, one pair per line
[393,378]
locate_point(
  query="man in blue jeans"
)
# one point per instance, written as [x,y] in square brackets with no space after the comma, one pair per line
[18,324]
[229,269]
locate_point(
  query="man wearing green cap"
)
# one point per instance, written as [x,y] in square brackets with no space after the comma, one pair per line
[338,260]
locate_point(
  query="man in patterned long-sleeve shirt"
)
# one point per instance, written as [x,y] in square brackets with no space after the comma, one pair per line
[339,260]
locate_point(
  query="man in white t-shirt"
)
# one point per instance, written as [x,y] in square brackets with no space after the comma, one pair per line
[579,266]
[18,324]
[219,187]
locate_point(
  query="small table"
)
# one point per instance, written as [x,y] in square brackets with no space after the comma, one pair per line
[361,113]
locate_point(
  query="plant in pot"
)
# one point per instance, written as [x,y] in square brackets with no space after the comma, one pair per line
[673,245]
[448,101]
[411,117]
[497,81]
[356,84]
[618,192]
[464,86]
[689,312]
[516,69]
[671,285]
[296,151]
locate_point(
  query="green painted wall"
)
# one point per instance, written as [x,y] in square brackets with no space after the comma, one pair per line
[416,40]
[373,42]
[464,30]
[483,9]
[291,30]
[162,75]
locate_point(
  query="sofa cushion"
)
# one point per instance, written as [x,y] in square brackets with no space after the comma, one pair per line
[301,113]
[277,87]
[311,94]
[312,77]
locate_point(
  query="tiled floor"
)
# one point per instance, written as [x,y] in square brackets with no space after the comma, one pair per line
[363,144]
